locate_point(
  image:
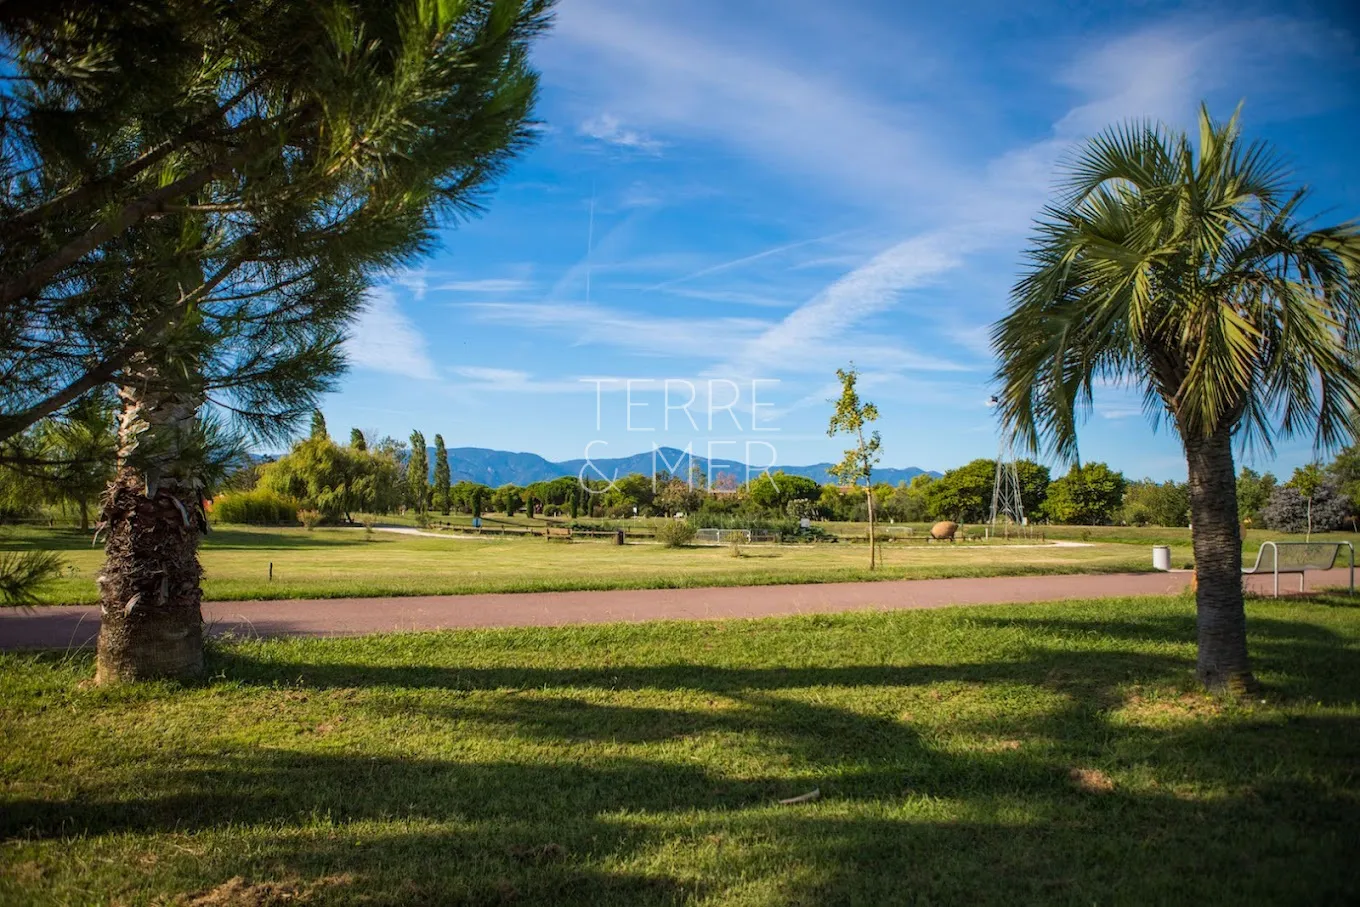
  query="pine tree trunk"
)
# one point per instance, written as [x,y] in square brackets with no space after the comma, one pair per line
[152,623]
[1220,615]
[873,561]
[84,515]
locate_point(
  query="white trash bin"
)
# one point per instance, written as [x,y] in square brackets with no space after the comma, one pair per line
[1161,557]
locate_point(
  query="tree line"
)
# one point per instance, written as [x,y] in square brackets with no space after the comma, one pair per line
[340,482]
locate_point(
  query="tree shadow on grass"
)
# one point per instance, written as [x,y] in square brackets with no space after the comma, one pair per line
[613,802]
[1302,660]
[581,831]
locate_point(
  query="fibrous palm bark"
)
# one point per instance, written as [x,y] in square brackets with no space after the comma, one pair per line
[152,622]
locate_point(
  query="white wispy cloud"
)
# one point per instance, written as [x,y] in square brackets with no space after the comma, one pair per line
[747,260]
[491,286]
[821,329]
[631,331]
[657,72]
[610,130]
[496,375]
[383,339]
[479,379]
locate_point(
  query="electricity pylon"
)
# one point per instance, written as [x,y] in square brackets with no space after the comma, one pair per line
[1006,501]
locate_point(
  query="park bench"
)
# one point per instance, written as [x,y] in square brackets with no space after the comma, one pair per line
[1300,557]
[557,532]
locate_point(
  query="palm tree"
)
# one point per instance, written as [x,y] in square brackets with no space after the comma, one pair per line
[1189,273]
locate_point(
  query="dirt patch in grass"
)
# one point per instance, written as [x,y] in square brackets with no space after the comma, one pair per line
[237,892]
[1190,706]
[1091,780]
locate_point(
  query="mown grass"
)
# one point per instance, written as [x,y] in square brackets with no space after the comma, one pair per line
[1037,754]
[332,563]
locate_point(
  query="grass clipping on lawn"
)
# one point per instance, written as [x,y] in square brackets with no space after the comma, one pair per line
[1046,753]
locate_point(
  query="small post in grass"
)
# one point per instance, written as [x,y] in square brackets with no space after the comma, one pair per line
[271,571]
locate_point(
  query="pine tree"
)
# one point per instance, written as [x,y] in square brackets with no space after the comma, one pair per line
[200,212]
[318,425]
[441,476]
[356,439]
[306,174]
[418,475]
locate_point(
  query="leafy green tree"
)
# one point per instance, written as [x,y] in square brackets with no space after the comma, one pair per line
[1089,495]
[1157,503]
[774,491]
[834,504]
[678,496]
[907,503]
[1253,494]
[962,494]
[441,476]
[850,418]
[1307,480]
[559,491]
[630,492]
[357,440]
[1345,470]
[508,499]
[318,429]
[1187,269]
[418,475]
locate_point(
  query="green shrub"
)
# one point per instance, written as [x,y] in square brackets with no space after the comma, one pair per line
[675,533]
[258,506]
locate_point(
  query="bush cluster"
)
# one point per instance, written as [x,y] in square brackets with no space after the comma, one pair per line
[675,533]
[257,506]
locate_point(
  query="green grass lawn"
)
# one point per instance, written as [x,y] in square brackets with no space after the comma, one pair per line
[991,755]
[329,563]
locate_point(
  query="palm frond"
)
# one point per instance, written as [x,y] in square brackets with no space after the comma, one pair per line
[1189,271]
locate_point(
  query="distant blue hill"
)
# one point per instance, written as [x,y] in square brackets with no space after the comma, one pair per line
[499,467]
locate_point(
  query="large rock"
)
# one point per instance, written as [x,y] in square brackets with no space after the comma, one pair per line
[944,530]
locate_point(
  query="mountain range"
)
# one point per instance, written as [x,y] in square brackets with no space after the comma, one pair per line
[500,467]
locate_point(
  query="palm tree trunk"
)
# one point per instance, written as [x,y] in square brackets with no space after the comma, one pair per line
[1220,615]
[152,623]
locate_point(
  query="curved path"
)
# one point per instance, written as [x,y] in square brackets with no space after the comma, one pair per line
[64,627]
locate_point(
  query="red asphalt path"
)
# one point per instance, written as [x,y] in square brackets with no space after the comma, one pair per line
[64,627]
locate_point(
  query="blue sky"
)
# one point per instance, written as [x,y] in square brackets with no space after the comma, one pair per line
[743,197]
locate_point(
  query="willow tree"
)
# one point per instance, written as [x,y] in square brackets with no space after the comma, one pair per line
[194,198]
[1187,269]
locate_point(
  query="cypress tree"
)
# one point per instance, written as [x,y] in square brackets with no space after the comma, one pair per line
[319,425]
[418,474]
[357,440]
[441,476]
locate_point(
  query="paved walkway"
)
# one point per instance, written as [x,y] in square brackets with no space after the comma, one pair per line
[63,627]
